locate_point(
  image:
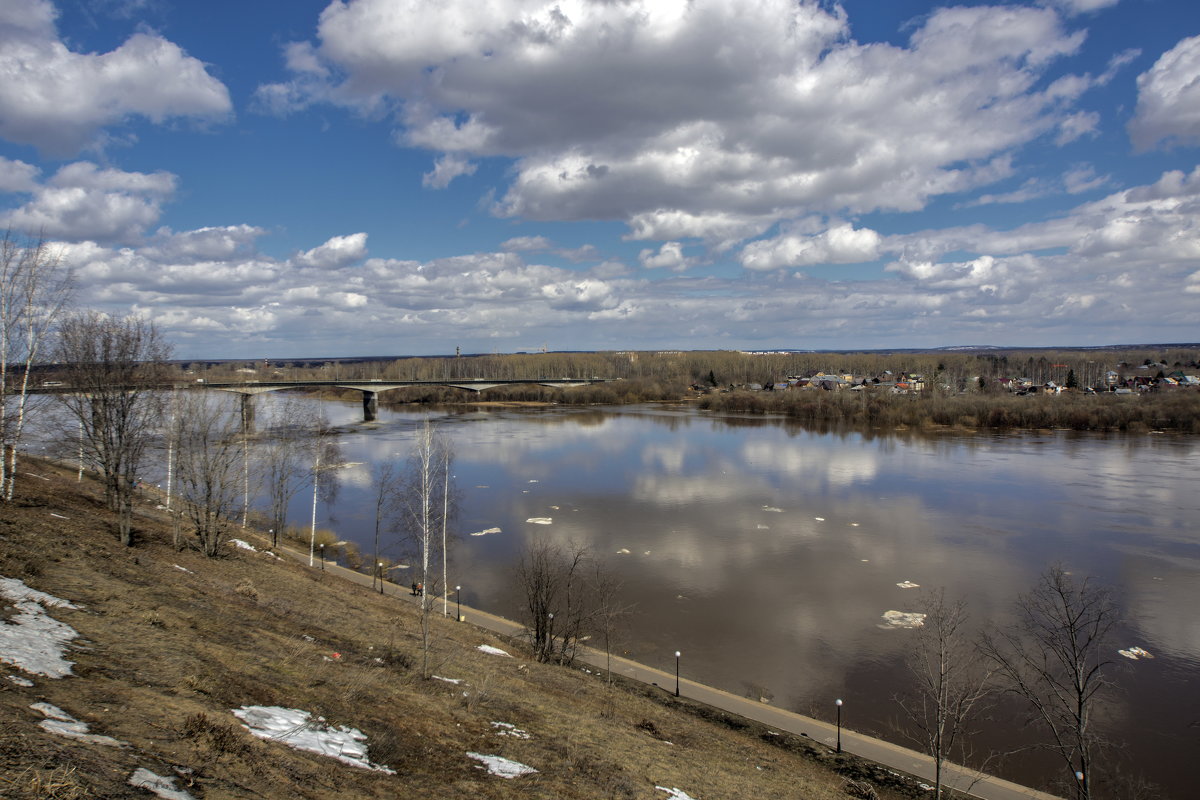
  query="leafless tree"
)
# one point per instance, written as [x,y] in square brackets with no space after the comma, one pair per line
[35,287]
[113,367]
[608,612]
[324,458]
[208,452]
[951,682]
[553,580]
[282,460]
[1054,658]
[385,487]
[424,503]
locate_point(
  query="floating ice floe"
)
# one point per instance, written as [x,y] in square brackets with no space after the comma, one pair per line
[244,545]
[32,640]
[508,729]
[297,729]
[494,651]
[63,724]
[761,527]
[503,767]
[486,531]
[540,520]
[554,508]
[1136,653]
[902,619]
[624,551]
[773,509]
[143,778]
[675,794]
[19,681]
[853,524]
[533,480]
[908,585]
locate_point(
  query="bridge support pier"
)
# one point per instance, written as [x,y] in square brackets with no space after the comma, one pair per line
[247,414]
[370,406]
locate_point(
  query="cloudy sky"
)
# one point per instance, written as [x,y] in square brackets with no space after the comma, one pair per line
[300,177]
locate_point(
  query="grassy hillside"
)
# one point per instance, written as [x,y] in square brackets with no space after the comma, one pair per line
[171,642]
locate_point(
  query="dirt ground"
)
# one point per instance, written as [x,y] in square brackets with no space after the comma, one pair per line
[170,643]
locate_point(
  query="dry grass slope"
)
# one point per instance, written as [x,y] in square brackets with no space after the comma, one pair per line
[165,654]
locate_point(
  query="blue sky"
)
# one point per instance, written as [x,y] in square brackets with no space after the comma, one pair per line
[376,177]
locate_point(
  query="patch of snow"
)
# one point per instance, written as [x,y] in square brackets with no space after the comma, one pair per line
[1136,653]
[486,531]
[183,569]
[455,681]
[19,681]
[902,619]
[243,544]
[508,729]
[32,640]
[675,794]
[58,516]
[297,729]
[63,724]
[540,520]
[908,585]
[495,651]
[143,778]
[502,767]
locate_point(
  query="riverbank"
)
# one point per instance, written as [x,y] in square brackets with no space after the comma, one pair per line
[170,643]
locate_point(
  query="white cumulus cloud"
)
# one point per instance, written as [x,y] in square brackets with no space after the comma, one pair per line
[337,252]
[58,99]
[1168,106]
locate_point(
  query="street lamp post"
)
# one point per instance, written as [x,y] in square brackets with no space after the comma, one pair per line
[458,600]
[379,566]
[677,673]
[838,703]
[322,555]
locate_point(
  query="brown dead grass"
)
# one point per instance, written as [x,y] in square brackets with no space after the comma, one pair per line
[164,655]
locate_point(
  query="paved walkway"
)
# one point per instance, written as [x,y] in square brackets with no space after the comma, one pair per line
[976,784]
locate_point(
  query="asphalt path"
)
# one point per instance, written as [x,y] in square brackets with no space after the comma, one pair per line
[901,759]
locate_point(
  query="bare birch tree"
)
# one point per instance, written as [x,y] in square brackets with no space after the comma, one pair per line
[208,454]
[385,485]
[1054,658]
[424,502]
[113,368]
[35,287]
[951,678]
[324,458]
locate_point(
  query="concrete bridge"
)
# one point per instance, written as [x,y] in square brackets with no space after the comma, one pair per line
[372,387]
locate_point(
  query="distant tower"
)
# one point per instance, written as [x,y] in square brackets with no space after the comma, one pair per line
[457,351]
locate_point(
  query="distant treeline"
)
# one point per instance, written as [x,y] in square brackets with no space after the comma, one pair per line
[1177,411]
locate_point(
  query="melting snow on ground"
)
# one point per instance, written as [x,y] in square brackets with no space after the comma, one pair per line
[32,640]
[183,569]
[486,531]
[502,767]
[298,729]
[495,651]
[508,729]
[19,681]
[243,544]
[675,794]
[60,722]
[455,681]
[540,520]
[902,619]
[908,585]
[1136,653]
[163,787]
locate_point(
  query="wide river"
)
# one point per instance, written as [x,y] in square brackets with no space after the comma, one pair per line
[768,555]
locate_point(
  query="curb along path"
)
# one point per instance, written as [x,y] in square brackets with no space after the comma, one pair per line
[902,759]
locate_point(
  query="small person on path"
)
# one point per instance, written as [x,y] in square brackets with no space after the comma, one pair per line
[414,589]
